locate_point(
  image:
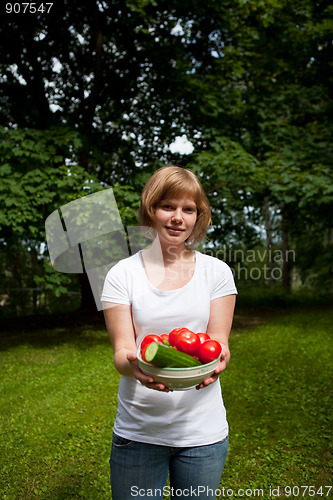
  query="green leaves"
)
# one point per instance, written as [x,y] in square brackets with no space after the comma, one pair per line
[35,179]
[100,97]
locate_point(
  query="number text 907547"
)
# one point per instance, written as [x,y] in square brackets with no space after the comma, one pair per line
[28,8]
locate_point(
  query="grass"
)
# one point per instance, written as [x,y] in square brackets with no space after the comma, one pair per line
[58,399]
[58,402]
[278,394]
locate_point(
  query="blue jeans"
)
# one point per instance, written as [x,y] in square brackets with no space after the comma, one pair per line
[140,470]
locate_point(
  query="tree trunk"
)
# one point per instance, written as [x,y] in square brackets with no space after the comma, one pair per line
[88,303]
[286,269]
[269,238]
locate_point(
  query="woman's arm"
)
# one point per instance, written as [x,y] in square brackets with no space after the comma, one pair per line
[119,324]
[219,326]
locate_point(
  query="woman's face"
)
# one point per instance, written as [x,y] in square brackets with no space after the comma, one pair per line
[175,219]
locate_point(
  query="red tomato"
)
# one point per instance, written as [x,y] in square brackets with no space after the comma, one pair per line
[187,341]
[149,339]
[203,337]
[164,336]
[209,350]
[173,334]
[143,353]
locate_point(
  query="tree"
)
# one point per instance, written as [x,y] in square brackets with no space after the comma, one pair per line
[119,72]
[248,83]
[37,178]
[277,105]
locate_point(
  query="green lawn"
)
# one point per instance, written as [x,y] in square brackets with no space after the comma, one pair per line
[58,398]
[278,393]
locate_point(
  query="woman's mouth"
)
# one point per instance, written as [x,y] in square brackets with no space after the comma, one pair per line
[175,230]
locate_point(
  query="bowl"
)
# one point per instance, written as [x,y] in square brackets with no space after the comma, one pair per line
[178,379]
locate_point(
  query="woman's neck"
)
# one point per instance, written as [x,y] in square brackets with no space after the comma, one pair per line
[170,267]
[169,254]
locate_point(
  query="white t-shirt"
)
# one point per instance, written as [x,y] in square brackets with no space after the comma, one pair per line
[179,418]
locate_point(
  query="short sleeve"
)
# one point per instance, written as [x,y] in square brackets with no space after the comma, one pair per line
[115,287]
[224,283]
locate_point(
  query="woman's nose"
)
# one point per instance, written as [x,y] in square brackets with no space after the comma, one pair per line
[177,215]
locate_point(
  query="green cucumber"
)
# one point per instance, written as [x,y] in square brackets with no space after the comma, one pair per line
[168,357]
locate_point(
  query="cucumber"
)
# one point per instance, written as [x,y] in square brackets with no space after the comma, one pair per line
[168,357]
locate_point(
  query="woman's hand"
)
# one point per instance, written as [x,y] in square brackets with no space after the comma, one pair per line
[145,380]
[225,357]
[119,322]
[219,326]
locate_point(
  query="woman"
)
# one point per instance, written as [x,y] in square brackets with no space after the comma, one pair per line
[183,434]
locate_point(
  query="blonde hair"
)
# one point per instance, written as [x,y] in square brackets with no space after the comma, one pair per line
[170,182]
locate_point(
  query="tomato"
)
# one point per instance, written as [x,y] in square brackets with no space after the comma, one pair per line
[149,339]
[164,336]
[173,334]
[187,341]
[209,350]
[143,353]
[203,337]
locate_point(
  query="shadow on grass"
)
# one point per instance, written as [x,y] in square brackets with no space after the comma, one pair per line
[79,328]
[83,329]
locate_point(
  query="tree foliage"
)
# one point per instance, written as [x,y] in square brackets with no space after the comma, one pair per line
[93,93]
[37,178]
[280,113]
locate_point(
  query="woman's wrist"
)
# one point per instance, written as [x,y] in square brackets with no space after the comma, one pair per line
[225,352]
[123,361]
